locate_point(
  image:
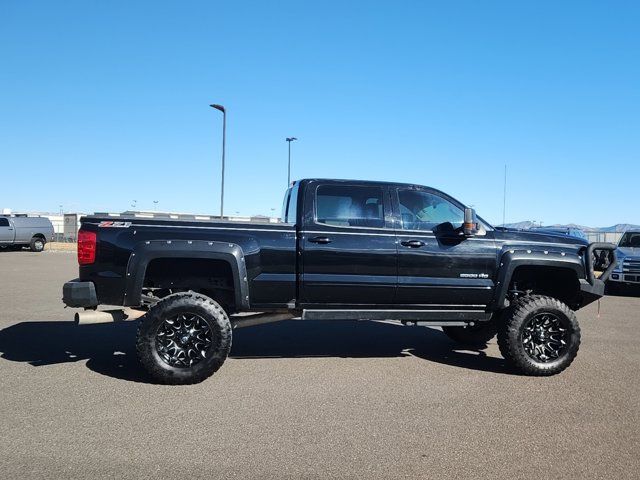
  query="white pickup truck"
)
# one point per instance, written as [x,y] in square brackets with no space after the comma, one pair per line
[22,231]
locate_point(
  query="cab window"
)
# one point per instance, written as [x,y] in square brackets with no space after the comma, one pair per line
[350,206]
[4,222]
[289,205]
[424,211]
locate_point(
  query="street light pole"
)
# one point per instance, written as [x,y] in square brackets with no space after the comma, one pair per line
[289,140]
[224,138]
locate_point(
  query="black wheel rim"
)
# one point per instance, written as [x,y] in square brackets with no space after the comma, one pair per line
[544,337]
[184,340]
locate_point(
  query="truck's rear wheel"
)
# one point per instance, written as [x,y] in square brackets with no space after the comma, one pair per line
[477,335]
[184,338]
[37,244]
[539,336]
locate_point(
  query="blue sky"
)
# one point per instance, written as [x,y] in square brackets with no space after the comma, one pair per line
[102,103]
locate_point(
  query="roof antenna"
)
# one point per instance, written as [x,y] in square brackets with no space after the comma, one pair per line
[504,196]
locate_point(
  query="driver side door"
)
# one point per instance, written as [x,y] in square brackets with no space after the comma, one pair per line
[437,266]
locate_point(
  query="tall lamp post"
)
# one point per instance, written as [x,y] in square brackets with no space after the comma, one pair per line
[289,140]
[224,137]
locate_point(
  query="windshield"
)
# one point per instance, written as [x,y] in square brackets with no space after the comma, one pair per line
[630,239]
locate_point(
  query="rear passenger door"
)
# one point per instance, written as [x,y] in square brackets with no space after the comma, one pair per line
[348,246]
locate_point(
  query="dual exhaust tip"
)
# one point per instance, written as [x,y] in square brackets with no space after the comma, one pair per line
[92,317]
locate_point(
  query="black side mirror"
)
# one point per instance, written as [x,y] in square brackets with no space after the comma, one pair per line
[470,225]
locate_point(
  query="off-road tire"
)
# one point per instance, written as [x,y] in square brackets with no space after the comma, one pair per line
[478,335]
[37,244]
[168,307]
[511,329]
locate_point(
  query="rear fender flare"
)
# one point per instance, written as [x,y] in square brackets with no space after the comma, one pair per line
[146,251]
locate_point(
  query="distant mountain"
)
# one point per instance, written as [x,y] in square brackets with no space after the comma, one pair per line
[620,227]
[526,225]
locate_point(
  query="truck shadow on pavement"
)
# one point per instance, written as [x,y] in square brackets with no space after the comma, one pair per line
[109,349]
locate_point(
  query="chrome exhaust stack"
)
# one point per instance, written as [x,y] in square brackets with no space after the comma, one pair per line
[92,317]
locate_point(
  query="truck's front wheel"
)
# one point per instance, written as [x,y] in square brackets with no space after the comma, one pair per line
[184,338]
[539,336]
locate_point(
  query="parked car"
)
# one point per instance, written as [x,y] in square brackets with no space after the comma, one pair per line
[627,269]
[570,231]
[22,231]
[346,250]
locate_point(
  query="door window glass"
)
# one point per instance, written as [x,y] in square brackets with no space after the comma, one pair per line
[350,206]
[4,222]
[425,211]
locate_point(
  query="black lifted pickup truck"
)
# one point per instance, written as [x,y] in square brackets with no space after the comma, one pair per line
[345,250]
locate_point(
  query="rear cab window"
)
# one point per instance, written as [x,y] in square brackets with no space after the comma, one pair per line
[290,204]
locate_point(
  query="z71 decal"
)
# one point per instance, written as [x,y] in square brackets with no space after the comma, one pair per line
[115,224]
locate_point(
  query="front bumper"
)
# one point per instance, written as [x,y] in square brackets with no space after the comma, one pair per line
[79,294]
[592,288]
[591,292]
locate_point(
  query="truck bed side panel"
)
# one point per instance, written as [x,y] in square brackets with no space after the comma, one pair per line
[269,253]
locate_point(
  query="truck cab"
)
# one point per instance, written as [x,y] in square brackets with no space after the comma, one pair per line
[366,245]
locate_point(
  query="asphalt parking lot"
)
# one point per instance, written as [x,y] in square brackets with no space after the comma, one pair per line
[306,399]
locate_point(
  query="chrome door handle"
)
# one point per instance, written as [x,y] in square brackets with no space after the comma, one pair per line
[412,243]
[320,240]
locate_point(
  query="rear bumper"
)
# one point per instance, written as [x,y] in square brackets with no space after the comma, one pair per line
[79,294]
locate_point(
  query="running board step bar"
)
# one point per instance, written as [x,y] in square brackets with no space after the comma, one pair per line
[251,320]
[445,316]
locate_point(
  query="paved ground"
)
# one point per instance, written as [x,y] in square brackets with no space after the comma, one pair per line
[306,400]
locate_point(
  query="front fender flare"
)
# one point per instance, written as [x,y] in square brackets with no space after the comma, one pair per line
[512,259]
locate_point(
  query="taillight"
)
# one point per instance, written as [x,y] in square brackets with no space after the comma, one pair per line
[86,247]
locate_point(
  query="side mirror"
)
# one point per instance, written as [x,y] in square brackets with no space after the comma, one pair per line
[470,225]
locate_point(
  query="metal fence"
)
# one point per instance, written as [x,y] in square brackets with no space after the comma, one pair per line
[65,227]
[611,237]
